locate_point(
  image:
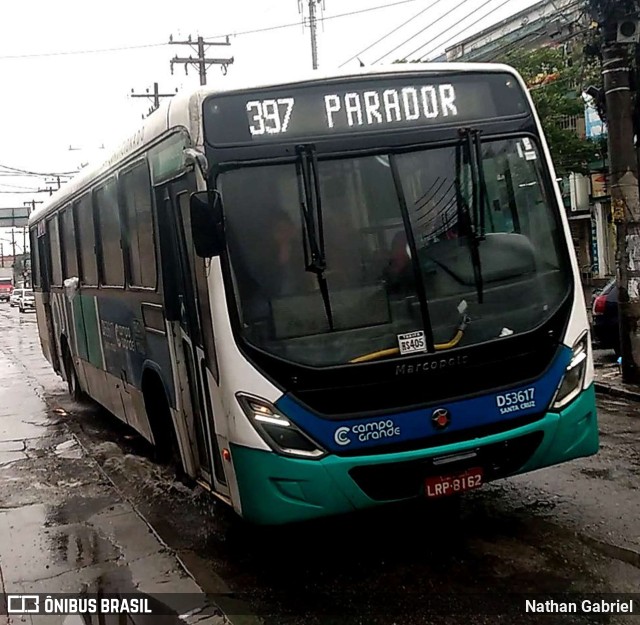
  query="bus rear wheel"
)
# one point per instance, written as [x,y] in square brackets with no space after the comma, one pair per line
[73,383]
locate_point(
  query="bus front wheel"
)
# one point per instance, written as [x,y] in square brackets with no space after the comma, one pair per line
[166,449]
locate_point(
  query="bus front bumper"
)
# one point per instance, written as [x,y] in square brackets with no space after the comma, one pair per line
[277,490]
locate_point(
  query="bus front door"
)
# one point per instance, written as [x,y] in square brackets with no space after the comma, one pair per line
[48,340]
[192,343]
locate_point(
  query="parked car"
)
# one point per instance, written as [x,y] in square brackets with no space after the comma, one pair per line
[26,301]
[15,296]
[5,290]
[605,317]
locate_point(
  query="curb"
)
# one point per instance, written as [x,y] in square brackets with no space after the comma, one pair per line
[616,391]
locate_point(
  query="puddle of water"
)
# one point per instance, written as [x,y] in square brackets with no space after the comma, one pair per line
[41,542]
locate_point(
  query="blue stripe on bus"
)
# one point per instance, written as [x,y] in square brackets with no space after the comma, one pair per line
[348,434]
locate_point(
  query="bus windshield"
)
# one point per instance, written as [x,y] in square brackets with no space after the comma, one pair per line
[435,249]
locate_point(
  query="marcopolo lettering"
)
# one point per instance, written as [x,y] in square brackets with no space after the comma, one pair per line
[431,365]
[371,108]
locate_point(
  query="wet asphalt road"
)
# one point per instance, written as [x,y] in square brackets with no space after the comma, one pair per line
[572,528]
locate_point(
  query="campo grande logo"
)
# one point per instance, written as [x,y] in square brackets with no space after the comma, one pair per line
[366,432]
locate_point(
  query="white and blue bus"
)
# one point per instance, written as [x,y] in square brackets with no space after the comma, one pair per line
[328,294]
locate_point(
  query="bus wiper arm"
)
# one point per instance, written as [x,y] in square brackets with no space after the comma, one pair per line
[470,224]
[482,187]
[313,227]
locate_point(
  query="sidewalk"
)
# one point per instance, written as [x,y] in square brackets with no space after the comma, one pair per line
[64,527]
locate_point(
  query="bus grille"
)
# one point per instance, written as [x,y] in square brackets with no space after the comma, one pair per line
[404,480]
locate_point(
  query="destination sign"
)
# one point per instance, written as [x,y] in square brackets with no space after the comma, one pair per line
[373,104]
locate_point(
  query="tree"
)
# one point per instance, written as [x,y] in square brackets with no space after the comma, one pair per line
[555,83]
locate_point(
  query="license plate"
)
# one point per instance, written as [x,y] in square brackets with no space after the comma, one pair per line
[445,485]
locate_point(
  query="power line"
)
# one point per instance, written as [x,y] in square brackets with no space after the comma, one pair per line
[500,49]
[16,186]
[508,47]
[529,38]
[447,41]
[231,34]
[7,57]
[26,172]
[32,191]
[539,31]
[396,29]
[421,31]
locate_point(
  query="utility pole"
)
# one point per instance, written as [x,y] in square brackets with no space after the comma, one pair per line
[56,181]
[32,207]
[200,62]
[618,23]
[154,97]
[313,26]
[13,244]
[32,204]
[625,202]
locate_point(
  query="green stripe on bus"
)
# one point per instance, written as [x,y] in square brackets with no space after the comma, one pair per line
[78,323]
[91,330]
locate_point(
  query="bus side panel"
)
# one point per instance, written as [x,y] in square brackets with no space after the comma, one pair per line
[43,324]
[117,348]
[127,346]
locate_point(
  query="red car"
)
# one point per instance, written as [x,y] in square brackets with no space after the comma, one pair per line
[605,317]
[6,288]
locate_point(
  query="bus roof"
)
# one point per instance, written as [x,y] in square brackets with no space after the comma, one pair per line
[182,111]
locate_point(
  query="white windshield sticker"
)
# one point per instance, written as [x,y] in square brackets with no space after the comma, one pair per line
[412,343]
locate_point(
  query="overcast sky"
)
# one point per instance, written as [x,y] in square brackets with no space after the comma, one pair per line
[52,100]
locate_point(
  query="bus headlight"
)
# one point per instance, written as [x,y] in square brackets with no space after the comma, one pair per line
[573,379]
[280,434]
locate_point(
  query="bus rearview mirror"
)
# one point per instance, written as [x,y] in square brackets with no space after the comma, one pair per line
[206,224]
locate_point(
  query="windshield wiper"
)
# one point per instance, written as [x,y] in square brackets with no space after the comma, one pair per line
[312,223]
[473,227]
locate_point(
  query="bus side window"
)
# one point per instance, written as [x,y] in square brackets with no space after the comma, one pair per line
[108,212]
[68,236]
[87,240]
[54,250]
[136,192]
[35,258]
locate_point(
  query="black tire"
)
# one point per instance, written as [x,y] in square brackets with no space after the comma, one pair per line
[166,449]
[73,383]
[21,309]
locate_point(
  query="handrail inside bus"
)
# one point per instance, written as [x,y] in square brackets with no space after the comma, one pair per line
[395,350]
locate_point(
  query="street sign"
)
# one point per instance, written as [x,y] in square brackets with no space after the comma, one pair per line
[599,187]
[14,217]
